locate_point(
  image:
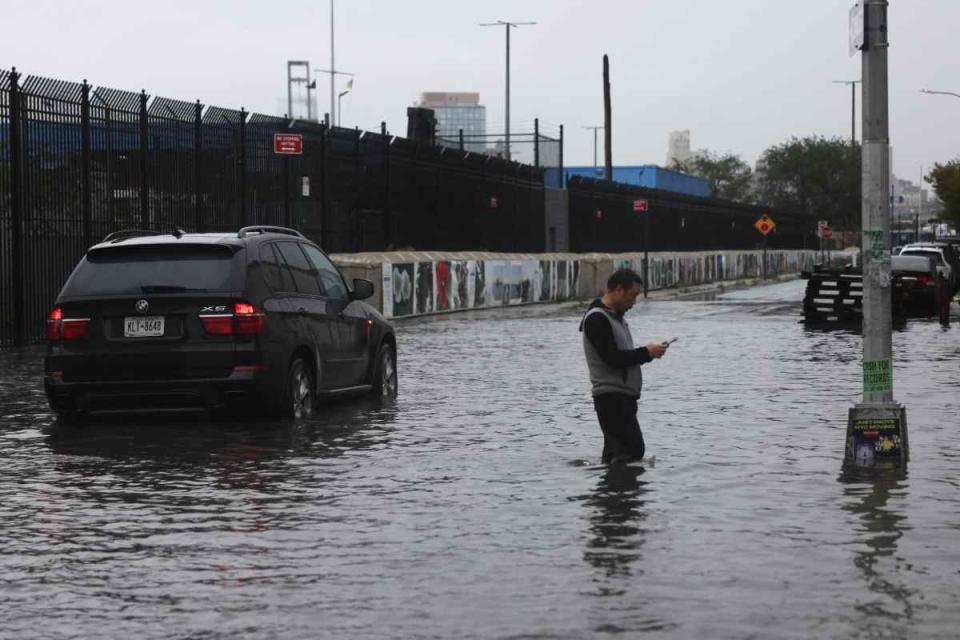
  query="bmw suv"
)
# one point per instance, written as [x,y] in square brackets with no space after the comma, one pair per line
[259,319]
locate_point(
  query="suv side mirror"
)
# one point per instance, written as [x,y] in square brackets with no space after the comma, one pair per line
[362,289]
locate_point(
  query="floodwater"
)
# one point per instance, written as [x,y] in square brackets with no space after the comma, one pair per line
[474,506]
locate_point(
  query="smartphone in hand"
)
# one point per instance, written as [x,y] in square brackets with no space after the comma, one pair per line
[669,342]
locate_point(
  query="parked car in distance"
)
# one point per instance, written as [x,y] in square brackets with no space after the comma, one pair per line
[946,256]
[255,320]
[915,277]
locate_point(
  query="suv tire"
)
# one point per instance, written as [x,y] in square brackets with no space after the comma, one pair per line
[385,373]
[299,393]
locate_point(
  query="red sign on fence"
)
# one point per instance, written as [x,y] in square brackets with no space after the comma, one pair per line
[639,206]
[288,143]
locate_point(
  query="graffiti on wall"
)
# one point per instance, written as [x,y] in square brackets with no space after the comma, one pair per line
[415,288]
[687,270]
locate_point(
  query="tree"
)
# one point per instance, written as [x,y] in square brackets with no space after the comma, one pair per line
[945,179]
[729,176]
[816,176]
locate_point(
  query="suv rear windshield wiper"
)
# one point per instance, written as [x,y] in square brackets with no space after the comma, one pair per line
[166,288]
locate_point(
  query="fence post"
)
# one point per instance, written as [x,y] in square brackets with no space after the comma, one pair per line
[243,168]
[198,166]
[286,190]
[324,217]
[561,185]
[461,140]
[388,233]
[536,142]
[16,209]
[86,202]
[144,146]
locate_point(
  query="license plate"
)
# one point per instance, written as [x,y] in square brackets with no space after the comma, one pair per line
[142,326]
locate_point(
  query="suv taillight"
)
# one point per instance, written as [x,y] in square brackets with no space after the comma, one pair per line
[925,279]
[65,329]
[245,320]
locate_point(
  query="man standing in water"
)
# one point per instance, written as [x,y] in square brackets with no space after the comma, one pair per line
[614,366]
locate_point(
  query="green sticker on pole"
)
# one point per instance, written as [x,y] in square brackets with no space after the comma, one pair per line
[877,375]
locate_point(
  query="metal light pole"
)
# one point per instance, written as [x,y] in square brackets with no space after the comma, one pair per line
[941,93]
[333,66]
[340,97]
[876,427]
[334,115]
[853,107]
[594,128]
[507,26]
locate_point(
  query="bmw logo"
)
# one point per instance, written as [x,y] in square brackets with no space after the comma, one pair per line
[143,306]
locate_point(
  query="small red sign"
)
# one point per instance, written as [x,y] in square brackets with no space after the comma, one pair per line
[826,232]
[288,143]
[640,205]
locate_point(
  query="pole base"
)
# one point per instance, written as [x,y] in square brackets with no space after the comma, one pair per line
[876,434]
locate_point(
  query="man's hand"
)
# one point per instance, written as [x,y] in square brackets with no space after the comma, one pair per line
[656,349]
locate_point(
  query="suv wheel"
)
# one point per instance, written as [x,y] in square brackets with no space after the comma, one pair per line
[385,375]
[299,396]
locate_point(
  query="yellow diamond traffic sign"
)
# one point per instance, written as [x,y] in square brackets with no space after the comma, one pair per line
[765,224]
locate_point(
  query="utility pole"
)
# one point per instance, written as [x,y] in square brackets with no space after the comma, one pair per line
[607,136]
[919,206]
[876,427]
[594,129]
[507,26]
[853,107]
[333,67]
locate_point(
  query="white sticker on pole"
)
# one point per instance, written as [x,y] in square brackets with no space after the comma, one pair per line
[856,27]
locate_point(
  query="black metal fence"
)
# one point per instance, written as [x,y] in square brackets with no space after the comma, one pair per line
[537,145]
[602,218]
[78,161]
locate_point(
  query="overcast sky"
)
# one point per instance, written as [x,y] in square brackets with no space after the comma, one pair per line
[740,74]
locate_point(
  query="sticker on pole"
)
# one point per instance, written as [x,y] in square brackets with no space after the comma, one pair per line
[877,376]
[640,206]
[765,224]
[288,144]
[857,27]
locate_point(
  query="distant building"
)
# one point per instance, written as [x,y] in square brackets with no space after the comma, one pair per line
[678,147]
[650,176]
[456,111]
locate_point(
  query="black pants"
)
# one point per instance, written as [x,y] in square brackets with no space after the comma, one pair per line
[622,438]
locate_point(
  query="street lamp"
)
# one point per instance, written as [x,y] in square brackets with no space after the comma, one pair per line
[941,93]
[595,129]
[853,107]
[340,97]
[507,25]
[334,116]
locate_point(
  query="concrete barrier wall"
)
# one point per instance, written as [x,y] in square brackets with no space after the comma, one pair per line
[418,283]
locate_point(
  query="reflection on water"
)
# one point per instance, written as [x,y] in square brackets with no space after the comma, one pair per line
[454,511]
[868,491]
[616,518]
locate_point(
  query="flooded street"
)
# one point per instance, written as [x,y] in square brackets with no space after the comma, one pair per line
[474,506]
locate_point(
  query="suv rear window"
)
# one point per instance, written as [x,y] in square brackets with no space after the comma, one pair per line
[933,253]
[153,269]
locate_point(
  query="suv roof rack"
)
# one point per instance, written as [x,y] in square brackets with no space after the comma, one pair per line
[268,229]
[123,234]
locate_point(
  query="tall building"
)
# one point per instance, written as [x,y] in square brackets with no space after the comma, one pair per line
[678,147]
[456,111]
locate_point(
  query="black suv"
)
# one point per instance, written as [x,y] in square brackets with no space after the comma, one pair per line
[255,320]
